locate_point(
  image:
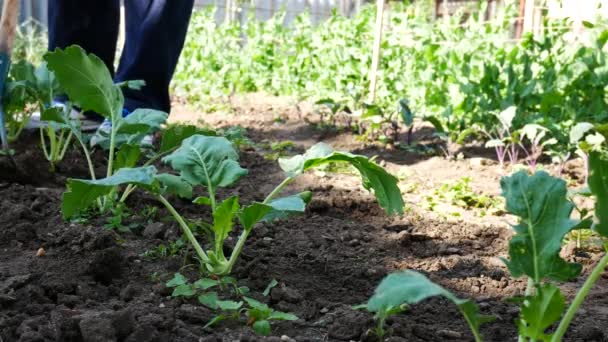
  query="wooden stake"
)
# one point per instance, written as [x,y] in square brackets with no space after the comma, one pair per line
[529,16]
[373,75]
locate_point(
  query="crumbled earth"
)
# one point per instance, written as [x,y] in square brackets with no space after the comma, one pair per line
[95,284]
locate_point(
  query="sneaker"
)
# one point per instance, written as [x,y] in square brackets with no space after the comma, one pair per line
[86,124]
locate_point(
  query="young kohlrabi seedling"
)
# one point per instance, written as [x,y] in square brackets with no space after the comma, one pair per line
[502,139]
[259,315]
[212,163]
[534,134]
[401,289]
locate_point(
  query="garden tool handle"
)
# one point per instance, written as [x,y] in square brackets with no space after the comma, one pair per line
[8,25]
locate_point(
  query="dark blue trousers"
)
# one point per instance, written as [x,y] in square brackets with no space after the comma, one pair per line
[155,34]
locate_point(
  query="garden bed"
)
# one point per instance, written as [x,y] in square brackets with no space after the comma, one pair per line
[94,284]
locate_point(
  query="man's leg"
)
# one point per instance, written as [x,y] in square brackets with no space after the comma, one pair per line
[92,24]
[155,34]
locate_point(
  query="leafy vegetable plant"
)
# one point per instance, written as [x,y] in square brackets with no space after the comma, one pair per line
[89,85]
[541,203]
[212,163]
[398,290]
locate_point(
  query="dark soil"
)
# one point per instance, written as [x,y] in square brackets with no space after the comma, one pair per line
[94,284]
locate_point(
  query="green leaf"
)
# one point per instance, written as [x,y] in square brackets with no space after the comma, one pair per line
[82,193]
[436,123]
[178,279]
[202,200]
[262,327]
[215,320]
[598,184]
[252,214]
[273,283]
[540,311]
[175,185]
[56,115]
[209,300]
[288,206]
[205,283]
[127,156]
[540,201]
[406,112]
[223,221]
[374,177]
[174,135]
[409,287]
[255,304]
[207,161]
[86,80]
[184,290]
[229,305]
[282,316]
[133,128]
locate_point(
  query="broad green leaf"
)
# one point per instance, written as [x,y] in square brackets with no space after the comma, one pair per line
[175,185]
[578,131]
[252,214]
[207,161]
[142,120]
[598,184]
[133,128]
[209,300]
[223,221]
[178,279]
[184,290]
[282,316]
[86,80]
[288,206]
[262,327]
[205,283]
[541,204]
[56,115]
[173,135]
[540,311]
[406,113]
[255,304]
[409,287]
[127,156]
[82,193]
[374,176]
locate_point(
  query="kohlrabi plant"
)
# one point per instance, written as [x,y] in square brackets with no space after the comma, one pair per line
[544,212]
[211,163]
[399,290]
[582,136]
[34,89]
[502,139]
[536,143]
[89,85]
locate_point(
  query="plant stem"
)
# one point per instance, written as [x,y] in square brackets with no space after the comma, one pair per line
[237,250]
[580,297]
[278,189]
[110,170]
[180,220]
[131,187]
[528,292]
[243,238]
